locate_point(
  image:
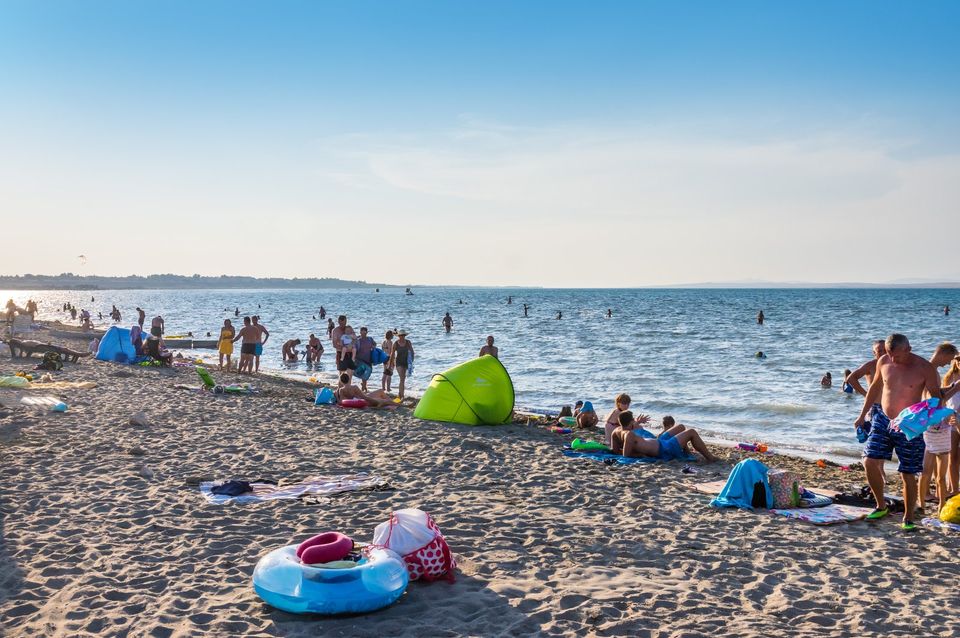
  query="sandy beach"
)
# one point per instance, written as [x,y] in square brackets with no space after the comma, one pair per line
[104,531]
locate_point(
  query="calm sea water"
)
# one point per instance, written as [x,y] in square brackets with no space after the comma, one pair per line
[689,353]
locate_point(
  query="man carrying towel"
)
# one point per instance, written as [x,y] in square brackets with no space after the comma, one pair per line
[900,380]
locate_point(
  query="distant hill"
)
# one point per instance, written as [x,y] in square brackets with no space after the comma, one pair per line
[70,281]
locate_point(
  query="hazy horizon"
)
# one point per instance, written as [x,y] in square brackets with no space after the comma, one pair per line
[568,144]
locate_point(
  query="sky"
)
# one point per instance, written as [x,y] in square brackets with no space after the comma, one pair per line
[541,143]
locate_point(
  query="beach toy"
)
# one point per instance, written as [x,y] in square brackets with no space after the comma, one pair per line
[568,421]
[478,392]
[324,548]
[581,445]
[324,397]
[363,371]
[560,430]
[821,463]
[378,579]
[312,379]
[915,419]
[47,403]
[354,403]
[749,447]
[378,356]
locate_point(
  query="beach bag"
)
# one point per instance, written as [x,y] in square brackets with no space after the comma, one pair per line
[785,486]
[951,510]
[414,535]
[51,361]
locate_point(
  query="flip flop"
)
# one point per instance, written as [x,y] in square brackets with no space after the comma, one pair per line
[877,514]
[908,526]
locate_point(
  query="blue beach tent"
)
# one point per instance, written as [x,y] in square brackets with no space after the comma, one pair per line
[115,346]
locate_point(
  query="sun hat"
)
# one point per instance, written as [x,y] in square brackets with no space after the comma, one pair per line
[402,332]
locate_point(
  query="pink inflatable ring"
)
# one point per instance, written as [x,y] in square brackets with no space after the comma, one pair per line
[324,548]
[354,403]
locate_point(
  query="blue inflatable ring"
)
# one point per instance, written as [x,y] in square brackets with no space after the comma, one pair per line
[282,581]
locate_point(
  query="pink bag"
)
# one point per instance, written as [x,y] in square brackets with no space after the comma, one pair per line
[414,535]
[786,488]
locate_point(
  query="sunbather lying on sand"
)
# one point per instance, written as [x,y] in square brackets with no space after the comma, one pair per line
[631,440]
[376,399]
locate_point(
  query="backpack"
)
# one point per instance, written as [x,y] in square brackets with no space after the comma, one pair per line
[51,361]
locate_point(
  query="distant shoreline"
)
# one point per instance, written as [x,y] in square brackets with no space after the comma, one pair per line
[69,281]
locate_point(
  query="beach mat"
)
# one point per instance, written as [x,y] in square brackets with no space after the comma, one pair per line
[936,523]
[826,515]
[312,485]
[611,458]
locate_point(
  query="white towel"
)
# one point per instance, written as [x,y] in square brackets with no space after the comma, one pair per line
[310,485]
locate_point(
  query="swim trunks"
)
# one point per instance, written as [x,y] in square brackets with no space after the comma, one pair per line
[670,448]
[346,362]
[258,349]
[248,348]
[882,442]
[155,331]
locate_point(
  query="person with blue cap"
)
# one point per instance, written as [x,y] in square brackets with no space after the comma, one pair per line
[586,415]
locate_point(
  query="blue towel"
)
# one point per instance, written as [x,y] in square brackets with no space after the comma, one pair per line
[610,457]
[738,492]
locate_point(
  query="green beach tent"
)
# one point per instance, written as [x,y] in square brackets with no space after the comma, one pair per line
[478,392]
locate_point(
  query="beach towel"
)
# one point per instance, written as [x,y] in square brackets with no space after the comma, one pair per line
[827,515]
[310,485]
[936,523]
[610,457]
[739,488]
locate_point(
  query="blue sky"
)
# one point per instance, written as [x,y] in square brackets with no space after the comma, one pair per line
[536,143]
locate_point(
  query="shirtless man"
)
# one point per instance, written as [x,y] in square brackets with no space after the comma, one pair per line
[376,399]
[156,326]
[760,318]
[248,336]
[900,380]
[262,335]
[141,316]
[447,322]
[336,335]
[631,441]
[490,349]
[290,354]
[868,369]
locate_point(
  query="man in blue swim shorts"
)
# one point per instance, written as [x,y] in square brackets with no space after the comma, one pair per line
[900,380]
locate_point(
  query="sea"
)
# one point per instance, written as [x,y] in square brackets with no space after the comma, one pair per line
[689,353]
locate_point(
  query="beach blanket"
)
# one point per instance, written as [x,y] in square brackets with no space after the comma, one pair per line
[936,523]
[610,457]
[311,485]
[827,515]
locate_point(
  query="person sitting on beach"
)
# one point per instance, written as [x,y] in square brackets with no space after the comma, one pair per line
[155,350]
[565,411]
[375,399]
[225,342]
[586,416]
[289,350]
[621,402]
[314,349]
[826,380]
[635,442]
[490,349]
[868,369]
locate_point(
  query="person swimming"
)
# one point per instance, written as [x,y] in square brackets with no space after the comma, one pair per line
[760,355]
